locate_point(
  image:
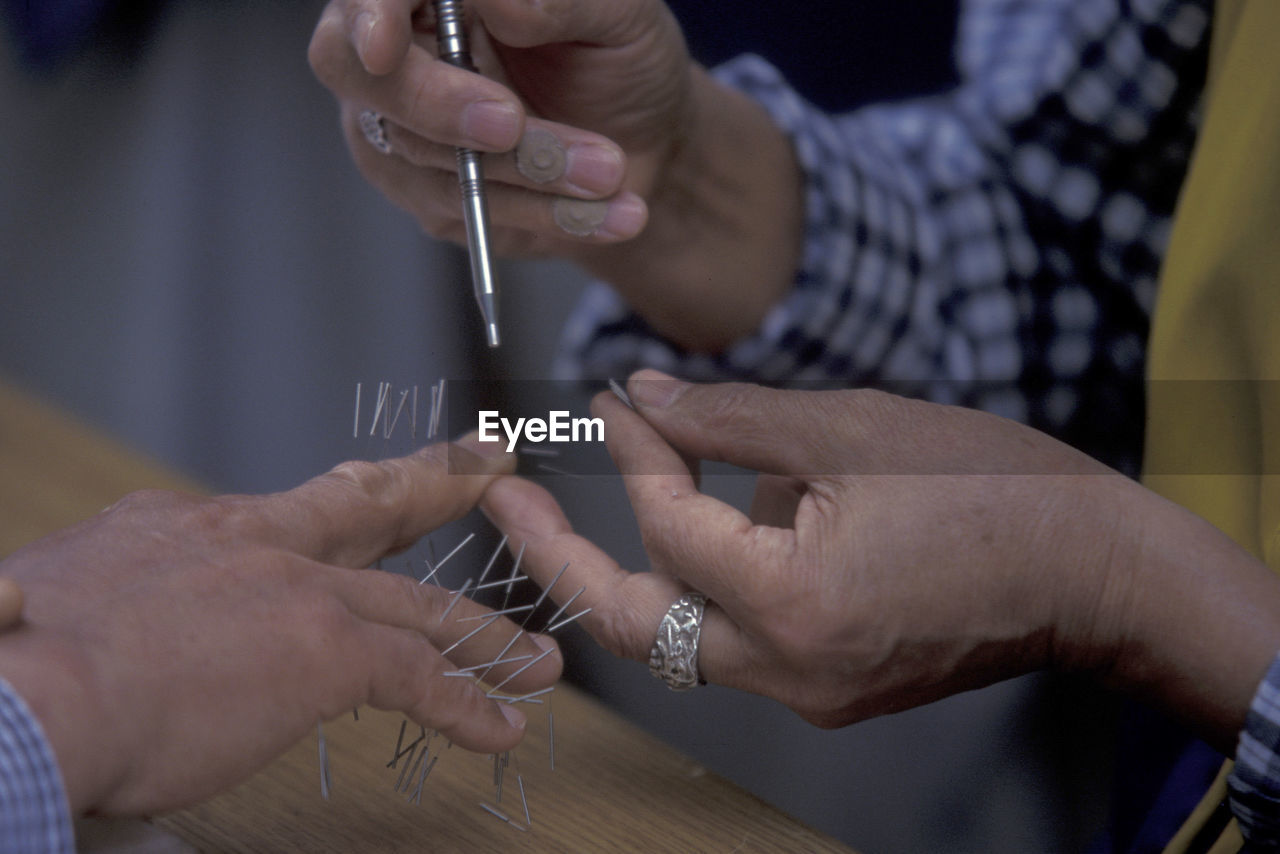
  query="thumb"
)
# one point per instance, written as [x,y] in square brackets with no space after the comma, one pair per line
[793,433]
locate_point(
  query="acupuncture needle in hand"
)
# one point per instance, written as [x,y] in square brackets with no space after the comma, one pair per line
[451,37]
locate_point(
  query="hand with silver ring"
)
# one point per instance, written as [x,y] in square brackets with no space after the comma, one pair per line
[896,552]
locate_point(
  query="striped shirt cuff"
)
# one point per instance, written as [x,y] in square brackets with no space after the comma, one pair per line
[1254,784]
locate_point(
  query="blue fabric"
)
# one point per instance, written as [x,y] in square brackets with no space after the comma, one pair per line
[996,246]
[34,816]
[839,53]
[1162,776]
[48,30]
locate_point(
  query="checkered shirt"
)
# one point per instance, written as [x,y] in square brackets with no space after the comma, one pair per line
[34,816]
[1254,782]
[996,246]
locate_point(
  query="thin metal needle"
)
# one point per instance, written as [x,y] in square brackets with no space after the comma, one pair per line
[492,618]
[494,812]
[431,574]
[524,801]
[515,570]
[456,549]
[356,430]
[325,784]
[505,650]
[620,392]
[451,36]
[492,558]
[523,698]
[523,669]
[501,582]
[395,754]
[566,621]
[542,596]
[382,402]
[565,606]
[422,733]
[413,769]
[456,597]
[505,612]
[416,797]
[404,395]
[467,671]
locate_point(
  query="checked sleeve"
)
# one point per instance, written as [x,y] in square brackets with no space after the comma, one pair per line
[34,817]
[995,246]
[1254,783]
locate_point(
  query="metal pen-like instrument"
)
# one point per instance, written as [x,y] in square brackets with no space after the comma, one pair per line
[451,36]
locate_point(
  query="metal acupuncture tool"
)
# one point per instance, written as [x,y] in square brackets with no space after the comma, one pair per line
[451,37]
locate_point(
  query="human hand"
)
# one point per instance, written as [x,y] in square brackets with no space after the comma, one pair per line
[607,147]
[579,102]
[898,551]
[172,645]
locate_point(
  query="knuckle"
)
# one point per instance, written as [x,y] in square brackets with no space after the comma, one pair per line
[375,482]
[725,407]
[330,621]
[375,492]
[147,500]
[623,633]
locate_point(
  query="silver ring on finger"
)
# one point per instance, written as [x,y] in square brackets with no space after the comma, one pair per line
[674,655]
[375,130]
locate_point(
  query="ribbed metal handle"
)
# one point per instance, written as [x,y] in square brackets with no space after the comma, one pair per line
[451,34]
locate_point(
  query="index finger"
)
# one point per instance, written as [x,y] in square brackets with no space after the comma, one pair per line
[432,98]
[360,511]
[698,538]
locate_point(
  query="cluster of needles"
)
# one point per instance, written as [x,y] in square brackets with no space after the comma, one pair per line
[414,759]
[418,761]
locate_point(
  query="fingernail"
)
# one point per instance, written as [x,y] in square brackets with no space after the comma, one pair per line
[654,388]
[514,716]
[491,125]
[540,156]
[488,450]
[617,219]
[626,218]
[544,642]
[594,168]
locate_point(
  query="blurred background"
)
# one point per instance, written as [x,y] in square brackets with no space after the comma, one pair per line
[191,263]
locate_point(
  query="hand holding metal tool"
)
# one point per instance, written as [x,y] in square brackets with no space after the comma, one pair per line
[451,36]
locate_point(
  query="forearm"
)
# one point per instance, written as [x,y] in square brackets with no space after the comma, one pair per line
[725,226]
[1196,620]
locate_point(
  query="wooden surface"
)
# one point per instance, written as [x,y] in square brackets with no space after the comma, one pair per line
[614,788]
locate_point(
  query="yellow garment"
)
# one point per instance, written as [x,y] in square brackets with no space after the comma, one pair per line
[1213,431]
